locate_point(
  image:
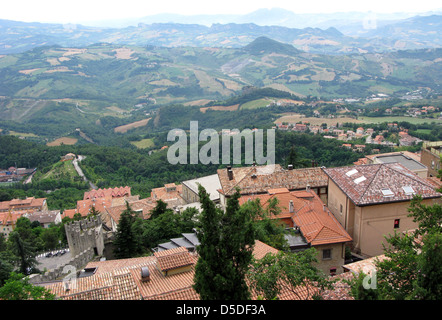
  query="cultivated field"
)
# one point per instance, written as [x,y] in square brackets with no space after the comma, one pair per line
[133,125]
[60,141]
[221,108]
[259,103]
[295,117]
[143,144]
[398,119]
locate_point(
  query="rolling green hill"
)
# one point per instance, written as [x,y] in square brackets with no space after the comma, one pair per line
[52,91]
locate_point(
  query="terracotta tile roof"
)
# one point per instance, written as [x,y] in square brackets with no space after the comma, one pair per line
[122,280]
[341,289]
[110,192]
[19,204]
[114,285]
[143,206]
[318,225]
[380,183]
[259,179]
[7,219]
[261,249]
[170,193]
[69,213]
[316,222]
[84,207]
[435,181]
[284,197]
[173,258]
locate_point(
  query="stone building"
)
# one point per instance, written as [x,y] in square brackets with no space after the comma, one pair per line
[430,156]
[85,234]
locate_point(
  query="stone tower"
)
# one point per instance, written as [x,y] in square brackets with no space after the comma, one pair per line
[85,234]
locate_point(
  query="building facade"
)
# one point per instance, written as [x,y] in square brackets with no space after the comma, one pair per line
[372,201]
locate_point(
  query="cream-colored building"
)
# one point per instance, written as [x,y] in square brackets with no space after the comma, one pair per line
[372,201]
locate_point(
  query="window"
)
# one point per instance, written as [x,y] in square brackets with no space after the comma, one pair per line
[351,172]
[341,208]
[396,223]
[326,254]
[332,271]
[408,190]
[387,192]
[359,180]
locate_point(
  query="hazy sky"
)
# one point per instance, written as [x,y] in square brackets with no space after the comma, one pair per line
[77,11]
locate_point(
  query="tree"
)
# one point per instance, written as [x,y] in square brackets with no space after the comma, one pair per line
[5,269]
[126,242]
[294,272]
[164,224]
[267,230]
[23,252]
[295,160]
[359,292]
[225,250]
[159,209]
[17,287]
[50,237]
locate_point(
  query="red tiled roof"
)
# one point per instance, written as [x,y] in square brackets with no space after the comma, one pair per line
[144,206]
[259,179]
[173,258]
[17,204]
[121,280]
[170,193]
[9,219]
[364,184]
[110,192]
[317,223]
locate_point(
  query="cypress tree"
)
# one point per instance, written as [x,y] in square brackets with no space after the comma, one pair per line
[125,240]
[225,251]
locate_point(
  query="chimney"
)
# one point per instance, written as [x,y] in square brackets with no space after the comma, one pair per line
[291,207]
[290,166]
[145,275]
[230,172]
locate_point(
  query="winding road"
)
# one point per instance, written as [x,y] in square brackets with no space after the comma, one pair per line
[80,172]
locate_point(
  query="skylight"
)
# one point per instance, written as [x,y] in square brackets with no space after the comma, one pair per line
[408,190]
[351,172]
[359,180]
[387,192]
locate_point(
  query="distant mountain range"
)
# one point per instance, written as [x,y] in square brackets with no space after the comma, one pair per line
[270,17]
[331,34]
[127,76]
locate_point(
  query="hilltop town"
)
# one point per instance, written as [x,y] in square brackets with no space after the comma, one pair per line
[119,181]
[342,212]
